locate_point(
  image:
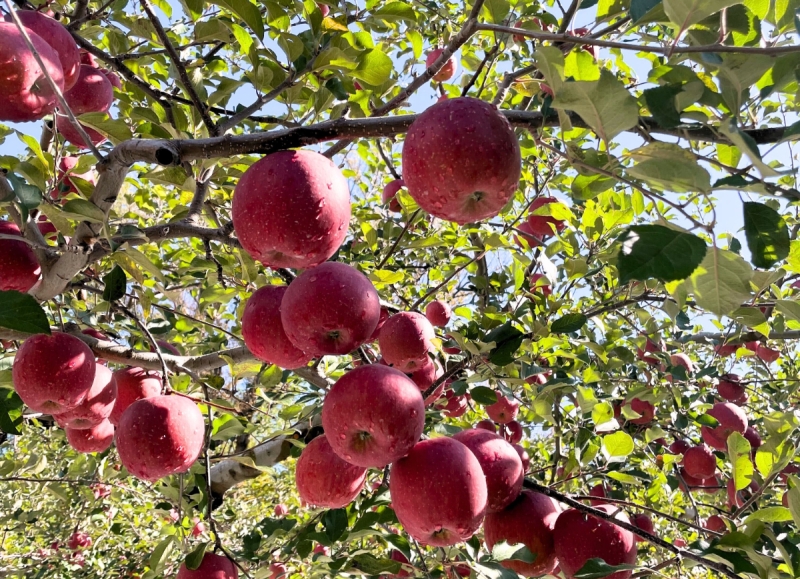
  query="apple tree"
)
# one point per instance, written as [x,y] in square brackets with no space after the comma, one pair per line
[484,289]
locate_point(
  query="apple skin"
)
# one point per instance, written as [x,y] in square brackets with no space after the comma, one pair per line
[472,136]
[447,71]
[766,354]
[439,492]
[389,195]
[525,232]
[95,439]
[19,269]
[542,226]
[725,350]
[426,376]
[263,333]
[325,480]
[92,93]
[281,510]
[398,556]
[716,523]
[381,320]
[730,388]
[645,409]
[500,463]
[160,436]
[438,313]
[529,520]
[679,447]
[700,462]
[133,384]
[24,91]
[66,185]
[97,405]
[513,432]
[599,491]
[53,374]
[60,40]
[405,341]
[291,209]
[753,437]
[324,9]
[523,456]
[681,359]
[643,522]
[651,347]
[330,309]
[731,419]
[504,410]
[487,425]
[578,537]
[540,284]
[211,567]
[373,416]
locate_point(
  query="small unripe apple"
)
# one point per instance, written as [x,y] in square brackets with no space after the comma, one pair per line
[406,340]
[97,405]
[438,313]
[263,333]
[95,439]
[325,480]
[389,195]
[504,410]
[447,71]
[19,269]
[133,384]
[211,567]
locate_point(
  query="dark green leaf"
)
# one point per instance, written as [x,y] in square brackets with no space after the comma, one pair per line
[21,312]
[655,251]
[194,558]
[507,340]
[483,395]
[661,102]
[335,523]
[371,565]
[734,181]
[10,411]
[29,196]
[568,323]
[597,569]
[641,7]
[115,283]
[767,234]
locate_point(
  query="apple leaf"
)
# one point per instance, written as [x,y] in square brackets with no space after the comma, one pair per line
[770,515]
[115,282]
[742,466]
[371,565]
[618,444]
[161,553]
[483,395]
[335,523]
[507,341]
[21,312]
[10,411]
[655,251]
[374,67]
[686,13]
[502,551]
[767,234]
[195,558]
[596,568]
[722,282]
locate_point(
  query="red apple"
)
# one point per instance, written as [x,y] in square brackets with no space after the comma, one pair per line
[592,49]
[65,173]
[679,542]
[424,377]
[731,419]
[160,436]
[389,195]
[524,232]
[578,537]
[112,77]
[438,313]
[278,571]
[330,309]
[95,439]
[447,71]
[643,522]
[439,492]
[211,567]
[730,387]
[291,209]
[166,348]
[322,550]
[753,437]
[53,373]
[500,463]
[469,135]
[133,384]
[19,269]
[523,456]
[263,333]
[381,320]
[504,410]
[487,425]
[651,347]
[24,90]
[679,447]
[644,409]
[325,9]
[700,462]
[97,405]
[716,523]
[79,540]
[529,520]
[599,491]
[199,527]
[373,415]
[540,284]
[681,359]
[725,350]
[543,226]
[766,354]
[92,93]
[398,556]
[60,40]
[281,510]
[405,341]
[325,480]
[456,405]
[513,432]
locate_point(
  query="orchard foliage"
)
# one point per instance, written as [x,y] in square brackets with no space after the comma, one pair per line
[609,316]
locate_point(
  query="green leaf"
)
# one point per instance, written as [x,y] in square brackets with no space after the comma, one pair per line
[748,146]
[794,499]
[770,515]
[21,312]
[742,466]
[507,341]
[661,102]
[605,104]
[618,444]
[29,196]
[502,551]
[335,523]
[568,323]
[767,234]
[655,251]
[789,308]
[161,553]
[395,11]
[596,568]
[10,411]
[115,282]
[371,565]
[686,13]
[495,11]
[374,67]
[483,395]
[602,412]
[84,209]
[246,11]
[722,282]
[669,167]
[195,558]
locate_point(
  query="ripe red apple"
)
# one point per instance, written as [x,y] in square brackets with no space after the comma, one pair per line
[263,333]
[325,480]
[325,9]
[92,93]
[543,226]
[540,284]
[679,542]
[513,432]
[330,309]
[398,556]
[439,492]
[24,90]
[447,71]
[461,160]
[487,425]
[651,347]
[523,456]
[753,437]
[679,447]
[281,510]
[405,341]
[725,350]
[112,77]
[599,491]
[160,436]
[322,550]
[500,463]
[53,373]
[681,359]
[700,462]
[766,354]
[730,387]
[133,384]
[373,415]
[524,232]
[211,567]
[438,313]
[716,523]
[424,377]
[389,195]
[578,537]
[541,378]
[95,439]
[504,410]
[97,405]
[291,209]
[381,320]
[19,269]
[59,39]
[644,409]
[79,540]
[529,520]
[278,571]
[731,419]
[643,522]
[66,185]
[456,405]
